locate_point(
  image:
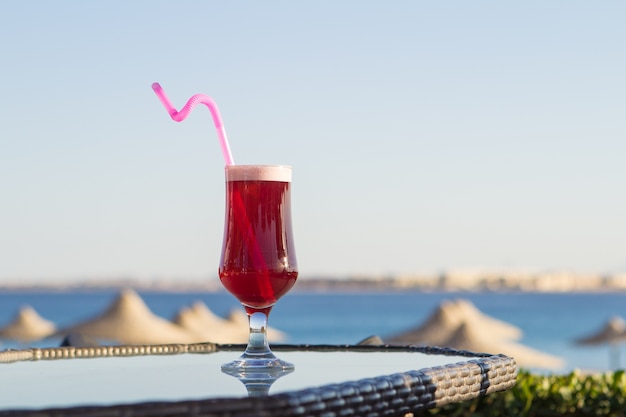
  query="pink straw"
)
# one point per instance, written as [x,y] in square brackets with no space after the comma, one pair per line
[179,116]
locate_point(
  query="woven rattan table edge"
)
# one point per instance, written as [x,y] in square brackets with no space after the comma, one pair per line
[389,395]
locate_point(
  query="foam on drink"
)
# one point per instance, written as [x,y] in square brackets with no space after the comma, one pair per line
[280,173]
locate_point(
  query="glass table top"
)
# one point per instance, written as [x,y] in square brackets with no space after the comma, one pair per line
[117,380]
[43,381]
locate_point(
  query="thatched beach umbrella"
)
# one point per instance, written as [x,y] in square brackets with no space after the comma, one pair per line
[474,337]
[129,321]
[613,333]
[447,318]
[460,325]
[437,328]
[208,327]
[497,328]
[27,326]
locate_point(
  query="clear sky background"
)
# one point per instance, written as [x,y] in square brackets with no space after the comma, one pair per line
[424,136]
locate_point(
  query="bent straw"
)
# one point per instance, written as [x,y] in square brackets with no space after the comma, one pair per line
[179,116]
[254,251]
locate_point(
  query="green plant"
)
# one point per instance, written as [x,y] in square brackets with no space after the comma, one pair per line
[573,394]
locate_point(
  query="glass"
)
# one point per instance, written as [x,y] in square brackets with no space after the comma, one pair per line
[258,261]
[258,381]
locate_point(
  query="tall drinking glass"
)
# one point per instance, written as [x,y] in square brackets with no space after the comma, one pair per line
[258,261]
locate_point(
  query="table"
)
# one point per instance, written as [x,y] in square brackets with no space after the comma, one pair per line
[186,380]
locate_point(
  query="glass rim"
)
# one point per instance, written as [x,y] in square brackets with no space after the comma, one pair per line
[279,173]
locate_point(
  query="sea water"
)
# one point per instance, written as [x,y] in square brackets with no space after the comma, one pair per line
[549,322]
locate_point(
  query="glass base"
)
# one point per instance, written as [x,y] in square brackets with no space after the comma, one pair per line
[257,379]
[257,356]
[258,361]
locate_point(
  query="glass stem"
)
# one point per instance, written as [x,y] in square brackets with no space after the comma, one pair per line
[258,363]
[257,343]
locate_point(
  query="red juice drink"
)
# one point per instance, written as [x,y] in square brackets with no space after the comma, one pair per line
[258,262]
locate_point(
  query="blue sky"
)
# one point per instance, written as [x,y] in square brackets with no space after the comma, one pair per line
[424,136]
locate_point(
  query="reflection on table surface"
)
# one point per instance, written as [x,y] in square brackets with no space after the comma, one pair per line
[126,380]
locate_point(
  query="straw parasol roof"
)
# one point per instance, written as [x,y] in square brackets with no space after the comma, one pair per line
[499,328]
[373,340]
[613,331]
[460,325]
[474,337]
[447,318]
[437,328]
[27,326]
[207,326]
[129,321]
